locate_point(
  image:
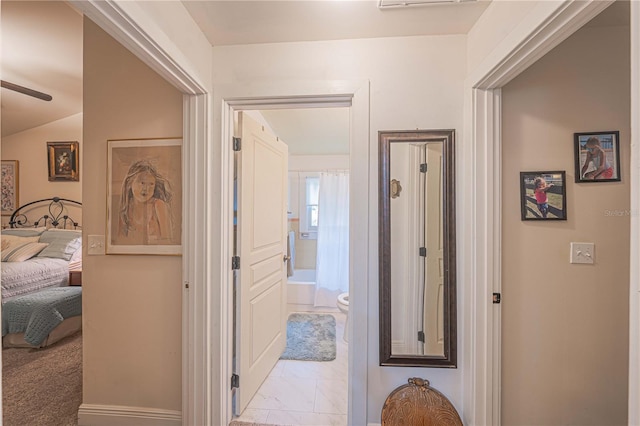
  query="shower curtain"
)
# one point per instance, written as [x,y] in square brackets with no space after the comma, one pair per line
[332,260]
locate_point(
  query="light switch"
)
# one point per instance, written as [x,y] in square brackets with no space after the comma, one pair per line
[582,253]
[95,244]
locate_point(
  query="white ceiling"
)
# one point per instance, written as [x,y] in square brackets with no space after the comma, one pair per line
[311,131]
[268,21]
[42,49]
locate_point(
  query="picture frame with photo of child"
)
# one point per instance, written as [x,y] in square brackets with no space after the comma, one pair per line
[597,156]
[543,195]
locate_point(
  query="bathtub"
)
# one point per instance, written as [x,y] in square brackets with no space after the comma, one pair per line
[301,287]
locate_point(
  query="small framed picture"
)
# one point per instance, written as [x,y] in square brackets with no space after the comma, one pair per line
[543,195]
[9,186]
[64,161]
[597,156]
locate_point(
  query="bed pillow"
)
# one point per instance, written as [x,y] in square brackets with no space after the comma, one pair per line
[23,252]
[62,243]
[24,232]
[10,242]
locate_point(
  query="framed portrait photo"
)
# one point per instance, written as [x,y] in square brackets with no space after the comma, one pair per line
[597,156]
[144,196]
[64,161]
[10,188]
[543,195]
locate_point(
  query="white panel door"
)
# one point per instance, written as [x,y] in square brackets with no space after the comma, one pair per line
[262,229]
[434,291]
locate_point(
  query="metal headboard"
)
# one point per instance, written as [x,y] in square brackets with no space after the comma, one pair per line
[57,217]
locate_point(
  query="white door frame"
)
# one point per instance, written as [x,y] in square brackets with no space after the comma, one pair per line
[328,94]
[198,390]
[480,231]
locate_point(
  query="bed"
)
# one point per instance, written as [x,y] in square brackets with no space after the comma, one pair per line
[37,255]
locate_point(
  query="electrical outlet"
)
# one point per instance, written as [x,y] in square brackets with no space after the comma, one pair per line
[95,244]
[582,253]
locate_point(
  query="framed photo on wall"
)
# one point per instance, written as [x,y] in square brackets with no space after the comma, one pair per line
[10,187]
[597,156]
[144,196]
[543,195]
[64,161]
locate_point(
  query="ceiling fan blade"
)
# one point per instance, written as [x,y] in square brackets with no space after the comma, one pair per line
[26,91]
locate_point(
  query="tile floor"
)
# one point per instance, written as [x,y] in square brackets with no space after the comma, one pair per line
[304,392]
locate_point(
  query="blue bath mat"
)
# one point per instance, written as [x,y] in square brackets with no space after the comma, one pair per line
[311,337]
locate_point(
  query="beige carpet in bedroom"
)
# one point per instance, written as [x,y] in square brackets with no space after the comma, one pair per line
[43,387]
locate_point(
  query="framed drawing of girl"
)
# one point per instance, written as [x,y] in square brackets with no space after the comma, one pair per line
[144,196]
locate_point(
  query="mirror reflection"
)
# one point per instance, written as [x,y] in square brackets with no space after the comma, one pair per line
[417,248]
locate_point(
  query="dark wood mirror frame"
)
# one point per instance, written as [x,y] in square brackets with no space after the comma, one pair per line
[385,138]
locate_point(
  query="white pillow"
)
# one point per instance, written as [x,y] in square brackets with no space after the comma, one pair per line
[23,252]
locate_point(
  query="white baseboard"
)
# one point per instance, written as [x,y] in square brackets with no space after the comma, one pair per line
[117,415]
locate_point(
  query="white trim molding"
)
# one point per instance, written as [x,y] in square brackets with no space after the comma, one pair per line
[634,287]
[548,25]
[118,415]
[198,393]
[229,99]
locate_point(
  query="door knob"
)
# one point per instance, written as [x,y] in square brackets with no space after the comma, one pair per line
[285,258]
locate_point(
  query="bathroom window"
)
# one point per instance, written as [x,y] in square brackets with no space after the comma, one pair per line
[310,190]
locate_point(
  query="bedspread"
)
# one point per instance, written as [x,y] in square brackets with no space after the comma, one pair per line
[31,275]
[37,314]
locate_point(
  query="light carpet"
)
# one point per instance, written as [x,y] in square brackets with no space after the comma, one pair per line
[43,387]
[311,337]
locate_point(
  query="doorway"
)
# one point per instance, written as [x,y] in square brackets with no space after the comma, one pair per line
[309,382]
[355,97]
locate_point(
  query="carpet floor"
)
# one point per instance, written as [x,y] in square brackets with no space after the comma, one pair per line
[310,337]
[43,387]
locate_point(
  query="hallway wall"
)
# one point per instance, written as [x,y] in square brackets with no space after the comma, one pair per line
[565,326]
[132,305]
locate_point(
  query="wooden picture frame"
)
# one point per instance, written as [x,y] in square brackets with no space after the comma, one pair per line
[144,196]
[549,202]
[10,187]
[590,149]
[64,161]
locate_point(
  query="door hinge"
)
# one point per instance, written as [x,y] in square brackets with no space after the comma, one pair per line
[423,168]
[235,381]
[496,297]
[423,251]
[235,262]
[421,336]
[237,143]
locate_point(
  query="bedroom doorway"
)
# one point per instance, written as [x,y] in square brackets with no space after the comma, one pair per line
[42,142]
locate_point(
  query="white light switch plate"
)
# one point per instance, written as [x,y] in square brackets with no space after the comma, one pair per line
[95,244]
[582,253]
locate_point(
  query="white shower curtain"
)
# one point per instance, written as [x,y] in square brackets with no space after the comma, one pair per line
[332,260]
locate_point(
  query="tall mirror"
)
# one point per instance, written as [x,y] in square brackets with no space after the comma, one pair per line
[417,248]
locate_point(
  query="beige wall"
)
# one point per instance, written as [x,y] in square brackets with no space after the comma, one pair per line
[30,149]
[565,326]
[132,304]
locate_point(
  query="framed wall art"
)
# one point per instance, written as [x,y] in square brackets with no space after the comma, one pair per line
[10,187]
[64,161]
[144,196]
[597,156]
[543,195]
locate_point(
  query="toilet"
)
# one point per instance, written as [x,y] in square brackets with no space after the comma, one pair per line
[343,305]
